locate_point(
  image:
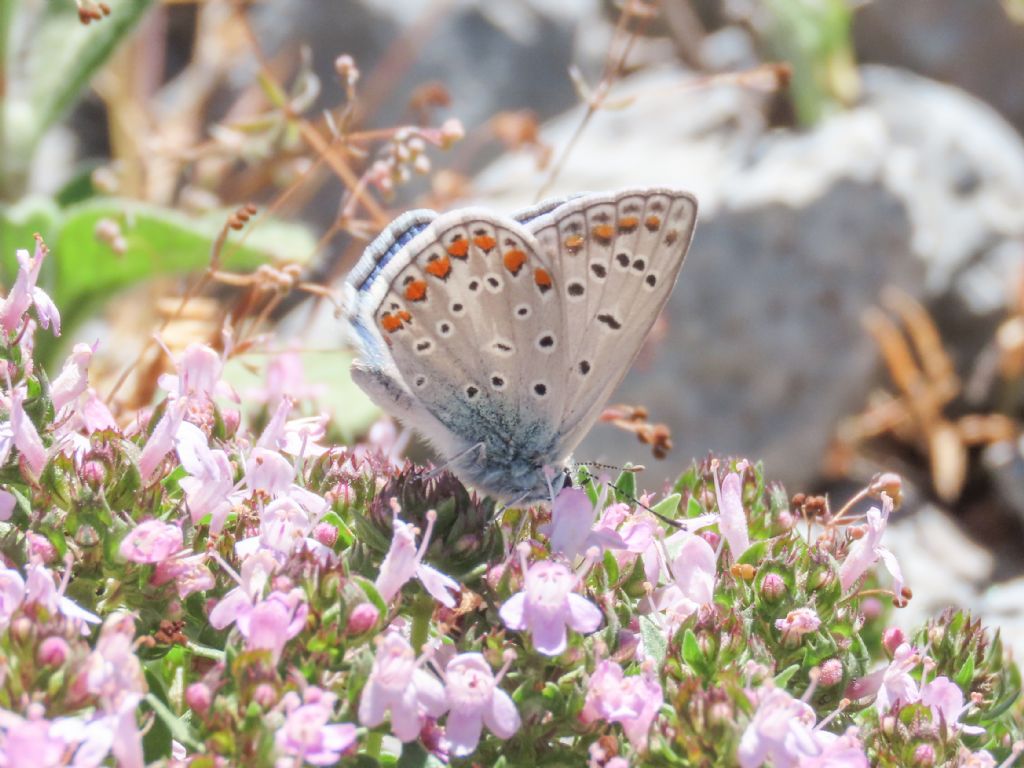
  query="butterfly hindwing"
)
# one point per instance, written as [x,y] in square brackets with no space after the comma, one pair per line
[470,314]
[618,257]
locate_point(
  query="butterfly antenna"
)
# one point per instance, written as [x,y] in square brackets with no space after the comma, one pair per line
[664,518]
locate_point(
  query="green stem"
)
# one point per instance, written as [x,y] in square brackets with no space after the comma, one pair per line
[422,611]
[374,741]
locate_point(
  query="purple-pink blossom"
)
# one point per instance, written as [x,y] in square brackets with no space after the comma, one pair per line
[210,479]
[632,701]
[547,605]
[572,530]
[73,378]
[272,622]
[404,560]
[399,685]
[783,734]
[308,734]
[946,702]
[152,541]
[474,700]
[692,570]
[867,550]
[798,622]
[25,293]
[732,520]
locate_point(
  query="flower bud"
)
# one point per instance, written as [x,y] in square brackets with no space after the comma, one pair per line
[362,619]
[41,547]
[773,587]
[265,695]
[924,755]
[93,474]
[892,639]
[53,652]
[712,538]
[830,673]
[326,534]
[231,417]
[199,697]
[890,484]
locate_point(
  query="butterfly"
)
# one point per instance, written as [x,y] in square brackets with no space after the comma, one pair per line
[499,339]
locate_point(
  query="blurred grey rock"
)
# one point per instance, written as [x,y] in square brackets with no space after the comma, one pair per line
[940,564]
[918,186]
[972,44]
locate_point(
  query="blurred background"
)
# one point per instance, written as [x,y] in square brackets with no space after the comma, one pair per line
[853,301]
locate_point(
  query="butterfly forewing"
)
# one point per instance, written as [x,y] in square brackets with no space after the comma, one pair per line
[618,257]
[473,320]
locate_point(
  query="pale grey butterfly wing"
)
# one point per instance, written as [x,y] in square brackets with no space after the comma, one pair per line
[511,333]
[618,257]
[467,310]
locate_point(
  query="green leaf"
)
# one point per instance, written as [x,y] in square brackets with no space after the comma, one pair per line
[64,56]
[655,643]
[414,755]
[966,674]
[18,224]
[372,595]
[784,676]
[693,508]
[691,651]
[669,506]
[625,486]
[158,242]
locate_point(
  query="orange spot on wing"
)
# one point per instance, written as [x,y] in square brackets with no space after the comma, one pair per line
[404,316]
[573,243]
[672,236]
[604,232]
[439,268]
[390,323]
[514,261]
[652,223]
[628,223]
[416,290]
[542,279]
[459,249]
[485,242]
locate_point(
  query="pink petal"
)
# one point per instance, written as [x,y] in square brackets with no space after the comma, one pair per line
[502,717]
[373,705]
[584,616]
[430,693]
[438,585]
[513,611]
[548,634]
[463,732]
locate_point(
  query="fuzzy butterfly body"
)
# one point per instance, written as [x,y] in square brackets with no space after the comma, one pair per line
[500,338]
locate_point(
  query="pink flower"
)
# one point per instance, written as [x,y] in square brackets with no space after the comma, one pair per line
[73,378]
[733,520]
[547,605]
[307,733]
[26,438]
[190,574]
[867,550]
[36,741]
[94,414]
[693,570]
[7,503]
[24,293]
[897,686]
[782,732]
[41,590]
[210,477]
[256,572]
[843,751]
[632,701]
[572,528]
[946,701]
[403,561]
[272,622]
[12,594]
[474,700]
[198,377]
[798,623]
[152,541]
[161,439]
[397,684]
[268,471]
